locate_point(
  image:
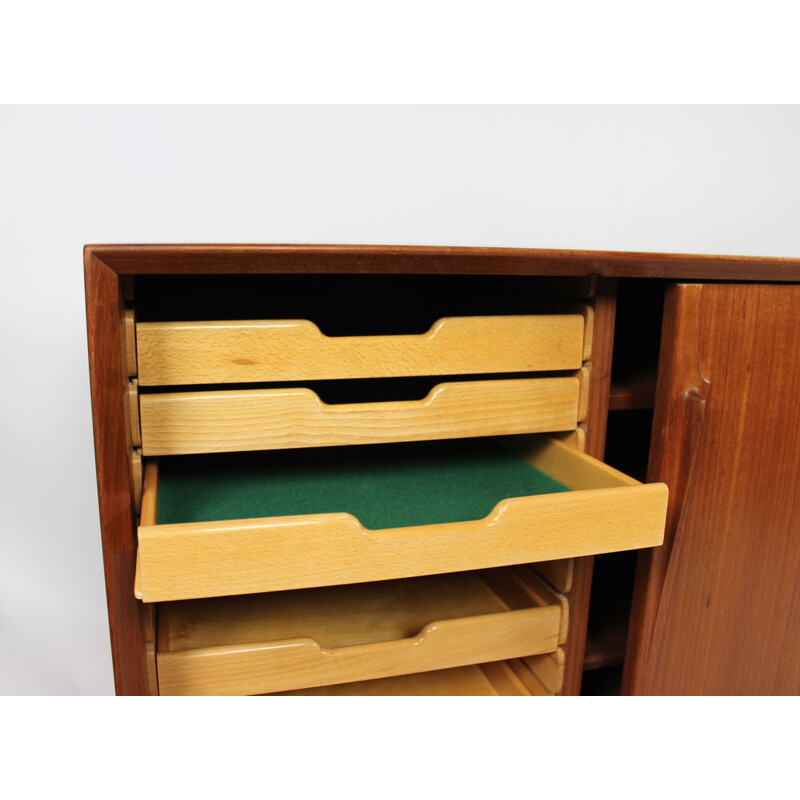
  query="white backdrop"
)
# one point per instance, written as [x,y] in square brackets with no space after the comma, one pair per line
[679,179]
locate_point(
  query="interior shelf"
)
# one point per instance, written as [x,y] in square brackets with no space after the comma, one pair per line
[634,391]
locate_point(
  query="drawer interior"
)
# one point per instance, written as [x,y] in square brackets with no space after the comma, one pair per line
[299,639]
[383,486]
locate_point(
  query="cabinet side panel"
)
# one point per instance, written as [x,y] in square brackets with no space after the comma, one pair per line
[108,373]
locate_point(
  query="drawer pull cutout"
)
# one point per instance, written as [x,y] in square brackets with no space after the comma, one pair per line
[179,423]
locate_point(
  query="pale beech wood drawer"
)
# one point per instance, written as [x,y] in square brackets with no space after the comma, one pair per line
[600,511]
[176,423]
[284,641]
[495,679]
[183,353]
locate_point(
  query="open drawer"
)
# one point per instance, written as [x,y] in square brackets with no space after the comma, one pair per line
[251,351]
[218,525]
[281,641]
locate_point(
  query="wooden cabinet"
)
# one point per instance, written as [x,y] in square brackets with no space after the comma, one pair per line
[219,370]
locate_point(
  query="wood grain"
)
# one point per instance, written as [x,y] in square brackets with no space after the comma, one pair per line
[137,476]
[605,309]
[548,669]
[728,618]
[520,587]
[559,573]
[209,559]
[299,258]
[262,419]
[109,379]
[290,640]
[576,470]
[682,392]
[482,680]
[247,351]
[130,339]
[584,378]
[133,406]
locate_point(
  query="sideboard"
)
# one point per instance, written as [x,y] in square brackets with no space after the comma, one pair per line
[653,395]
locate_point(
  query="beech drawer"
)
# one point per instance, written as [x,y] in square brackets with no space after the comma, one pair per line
[314,637]
[177,423]
[304,518]
[497,678]
[183,353]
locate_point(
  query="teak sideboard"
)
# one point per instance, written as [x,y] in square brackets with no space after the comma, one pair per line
[429,470]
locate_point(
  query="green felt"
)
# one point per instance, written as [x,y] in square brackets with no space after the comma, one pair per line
[383,486]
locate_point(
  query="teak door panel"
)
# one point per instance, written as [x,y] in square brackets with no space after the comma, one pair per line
[725,439]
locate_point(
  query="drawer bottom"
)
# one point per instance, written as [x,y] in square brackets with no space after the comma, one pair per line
[496,679]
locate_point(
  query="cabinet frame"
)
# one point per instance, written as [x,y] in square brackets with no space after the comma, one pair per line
[107,269]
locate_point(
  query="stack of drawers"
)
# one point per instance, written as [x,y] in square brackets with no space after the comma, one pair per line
[295,546]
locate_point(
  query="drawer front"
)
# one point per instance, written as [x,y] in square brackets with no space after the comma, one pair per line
[293,640]
[603,511]
[266,419]
[183,353]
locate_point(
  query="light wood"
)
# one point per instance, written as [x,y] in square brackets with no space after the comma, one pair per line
[524,675]
[133,404]
[548,669]
[130,340]
[503,678]
[149,495]
[560,306]
[137,476]
[567,465]
[587,312]
[173,353]
[584,378]
[150,627]
[291,640]
[147,517]
[334,616]
[559,573]
[520,586]
[208,559]
[576,438]
[541,593]
[487,679]
[262,419]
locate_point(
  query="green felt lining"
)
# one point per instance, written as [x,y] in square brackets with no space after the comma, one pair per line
[383,486]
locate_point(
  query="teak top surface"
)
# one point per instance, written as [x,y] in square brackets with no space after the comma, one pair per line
[295,258]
